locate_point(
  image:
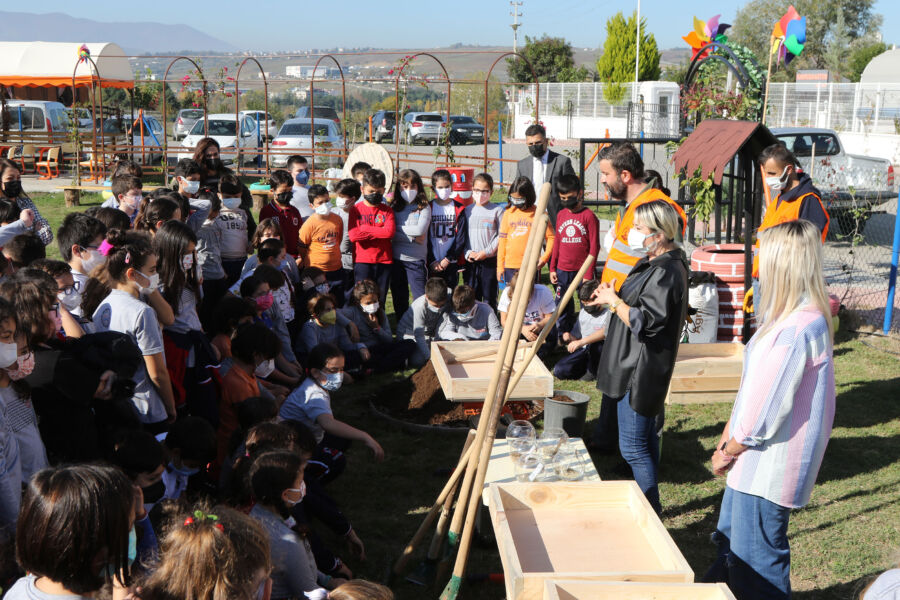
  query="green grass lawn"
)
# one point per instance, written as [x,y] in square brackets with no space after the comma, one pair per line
[849,532]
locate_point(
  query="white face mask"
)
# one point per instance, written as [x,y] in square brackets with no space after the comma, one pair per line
[94,260]
[517,201]
[265,368]
[442,193]
[636,241]
[410,194]
[231,203]
[301,490]
[153,282]
[190,187]
[133,203]
[71,301]
[482,198]
[187,261]
[9,354]
[432,307]
[370,309]
[342,201]
[776,184]
[323,209]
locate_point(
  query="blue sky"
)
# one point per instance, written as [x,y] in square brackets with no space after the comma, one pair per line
[424,23]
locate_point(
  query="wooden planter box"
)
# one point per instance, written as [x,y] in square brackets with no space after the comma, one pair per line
[585,531]
[468,381]
[614,590]
[706,373]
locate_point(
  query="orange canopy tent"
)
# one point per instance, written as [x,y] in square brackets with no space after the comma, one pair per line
[51,64]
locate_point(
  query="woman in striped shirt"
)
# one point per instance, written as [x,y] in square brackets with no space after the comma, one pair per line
[773,444]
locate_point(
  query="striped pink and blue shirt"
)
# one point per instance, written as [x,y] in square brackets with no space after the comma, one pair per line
[784,409]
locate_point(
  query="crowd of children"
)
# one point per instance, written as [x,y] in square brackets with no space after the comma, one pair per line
[193,353]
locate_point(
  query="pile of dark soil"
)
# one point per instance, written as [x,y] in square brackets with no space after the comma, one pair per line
[561,398]
[420,400]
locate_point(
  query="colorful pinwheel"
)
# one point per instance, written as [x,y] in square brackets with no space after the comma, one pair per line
[83,53]
[704,33]
[789,36]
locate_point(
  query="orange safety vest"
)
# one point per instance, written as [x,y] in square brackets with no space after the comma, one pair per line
[784,212]
[621,258]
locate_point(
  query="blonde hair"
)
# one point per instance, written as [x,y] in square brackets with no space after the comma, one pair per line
[790,273]
[660,217]
[359,589]
[205,558]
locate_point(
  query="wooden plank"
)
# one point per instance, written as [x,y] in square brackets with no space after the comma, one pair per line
[704,398]
[686,351]
[581,530]
[614,590]
[706,383]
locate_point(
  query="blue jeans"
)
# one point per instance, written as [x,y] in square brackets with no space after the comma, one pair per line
[567,317]
[639,445]
[407,276]
[754,557]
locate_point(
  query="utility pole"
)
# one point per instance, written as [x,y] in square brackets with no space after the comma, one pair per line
[637,54]
[515,14]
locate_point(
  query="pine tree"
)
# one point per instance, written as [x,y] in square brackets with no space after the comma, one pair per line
[616,64]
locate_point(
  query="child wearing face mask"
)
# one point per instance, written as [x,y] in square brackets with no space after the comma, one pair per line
[447,236]
[253,351]
[269,229]
[194,207]
[232,223]
[190,447]
[128,192]
[255,288]
[483,218]
[421,322]
[377,348]
[412,212]
[577,237]
[79,239]
[280,209]
[322,327]
[320,241]
[584,341]
[301,200]
[130,270]
[310,403]
[469,319]
[347,193]
[276,479]
[515,228]
[371,224]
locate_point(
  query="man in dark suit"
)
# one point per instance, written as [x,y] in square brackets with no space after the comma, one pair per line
[543,165]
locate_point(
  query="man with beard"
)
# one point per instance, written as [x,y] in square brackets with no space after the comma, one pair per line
[622,172]
[543,166]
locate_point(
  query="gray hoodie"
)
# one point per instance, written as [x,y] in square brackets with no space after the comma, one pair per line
[484,325]
[412,222]
[420,323]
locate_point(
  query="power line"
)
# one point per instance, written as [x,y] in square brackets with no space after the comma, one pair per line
[515,14]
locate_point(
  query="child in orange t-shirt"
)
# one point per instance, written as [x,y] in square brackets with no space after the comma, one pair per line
[515,226]
[253,351]
[320,240]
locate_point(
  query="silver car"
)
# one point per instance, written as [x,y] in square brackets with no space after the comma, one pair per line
[184,120]
[295,137]
[425,127]
[267,126]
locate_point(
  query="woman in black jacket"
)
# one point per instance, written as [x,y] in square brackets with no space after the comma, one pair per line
[642,340]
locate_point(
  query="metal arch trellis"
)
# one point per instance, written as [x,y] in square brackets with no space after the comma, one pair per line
[406,63]
[97,78]
[312,107]
[537,97]
[731,60]
[237,129]
[164,105]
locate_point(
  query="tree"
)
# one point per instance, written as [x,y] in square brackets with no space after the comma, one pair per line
[552,59]
[754,21]
[861,56]
[837,47]
[616,64]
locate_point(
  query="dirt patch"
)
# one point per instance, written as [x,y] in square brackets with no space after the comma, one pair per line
[420,400]
[561,398]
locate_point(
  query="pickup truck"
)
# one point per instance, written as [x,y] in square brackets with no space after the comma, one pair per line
[853,186]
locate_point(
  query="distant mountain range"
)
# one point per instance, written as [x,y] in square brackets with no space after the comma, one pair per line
[142,37]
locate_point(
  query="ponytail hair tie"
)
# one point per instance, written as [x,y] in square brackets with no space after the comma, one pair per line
[105,248]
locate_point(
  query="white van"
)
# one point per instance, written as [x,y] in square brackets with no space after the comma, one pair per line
[37,115]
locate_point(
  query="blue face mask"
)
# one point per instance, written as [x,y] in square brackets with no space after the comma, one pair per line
[466,316]
[302,177]
[184,472]
[110,570]
[333,381]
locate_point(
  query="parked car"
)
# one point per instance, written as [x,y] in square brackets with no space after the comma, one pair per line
[465,130]
[320,112]
[267,124]
[185,120]
[83,116]
[37,115]
[148,150]
[384,126]
[295,137]
[852,185]
[224,129]
[425,127]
